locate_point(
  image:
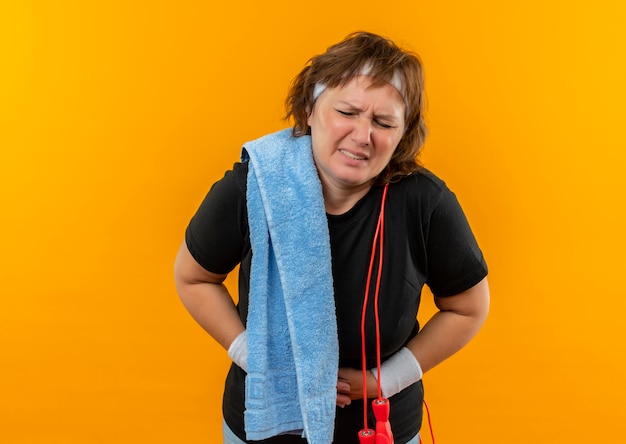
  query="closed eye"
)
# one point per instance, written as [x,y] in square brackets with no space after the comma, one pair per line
[346,113]
[380,123]
[383,124]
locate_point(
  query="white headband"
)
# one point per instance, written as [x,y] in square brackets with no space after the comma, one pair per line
[395,81]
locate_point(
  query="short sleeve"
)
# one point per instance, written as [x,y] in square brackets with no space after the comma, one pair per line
[216,234]
[455,262]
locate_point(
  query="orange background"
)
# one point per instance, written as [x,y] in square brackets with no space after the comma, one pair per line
[116,117]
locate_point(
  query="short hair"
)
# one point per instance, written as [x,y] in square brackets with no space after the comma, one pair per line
[383,59]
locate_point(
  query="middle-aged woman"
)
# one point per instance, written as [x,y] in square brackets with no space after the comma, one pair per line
[336,229]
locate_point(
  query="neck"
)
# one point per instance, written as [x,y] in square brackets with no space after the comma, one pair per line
[339,200]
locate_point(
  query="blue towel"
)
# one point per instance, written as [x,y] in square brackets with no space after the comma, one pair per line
[293,352]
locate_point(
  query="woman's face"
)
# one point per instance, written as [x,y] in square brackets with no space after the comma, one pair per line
[354,131]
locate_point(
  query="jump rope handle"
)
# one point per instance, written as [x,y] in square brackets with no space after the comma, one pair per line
[383,428]
[367,436]
[382,434]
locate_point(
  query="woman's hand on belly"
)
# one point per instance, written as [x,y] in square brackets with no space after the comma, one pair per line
[350,385]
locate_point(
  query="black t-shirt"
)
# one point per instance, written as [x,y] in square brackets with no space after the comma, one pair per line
[427,241]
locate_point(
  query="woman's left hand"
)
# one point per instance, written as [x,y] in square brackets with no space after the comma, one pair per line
[350,385]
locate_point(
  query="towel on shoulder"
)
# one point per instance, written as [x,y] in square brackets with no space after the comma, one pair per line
[293,352]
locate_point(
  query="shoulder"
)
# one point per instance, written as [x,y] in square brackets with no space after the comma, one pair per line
[240,171]
[226,197]
[234,180]
[423,188]
[423,181]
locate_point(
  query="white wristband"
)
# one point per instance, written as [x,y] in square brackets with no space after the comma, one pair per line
[398,372]
[238,350]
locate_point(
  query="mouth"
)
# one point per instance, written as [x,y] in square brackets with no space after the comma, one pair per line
[353,156]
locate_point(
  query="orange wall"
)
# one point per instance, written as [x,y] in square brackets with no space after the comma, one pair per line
[115,119]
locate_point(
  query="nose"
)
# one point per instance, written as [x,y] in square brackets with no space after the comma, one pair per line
[362,131]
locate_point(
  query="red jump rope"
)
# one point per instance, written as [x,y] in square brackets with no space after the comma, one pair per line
[380,406]
[382,434]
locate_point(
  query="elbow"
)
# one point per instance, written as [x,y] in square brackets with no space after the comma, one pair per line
[482,300]
[472,305]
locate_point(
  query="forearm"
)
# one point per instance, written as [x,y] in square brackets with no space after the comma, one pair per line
[442,336]
[206,298]
[450,329]
[458,320]
[213,308]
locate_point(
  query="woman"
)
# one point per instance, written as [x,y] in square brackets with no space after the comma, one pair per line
[388,226]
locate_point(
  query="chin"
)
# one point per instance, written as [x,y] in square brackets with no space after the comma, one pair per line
[352,178]
[355,181]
